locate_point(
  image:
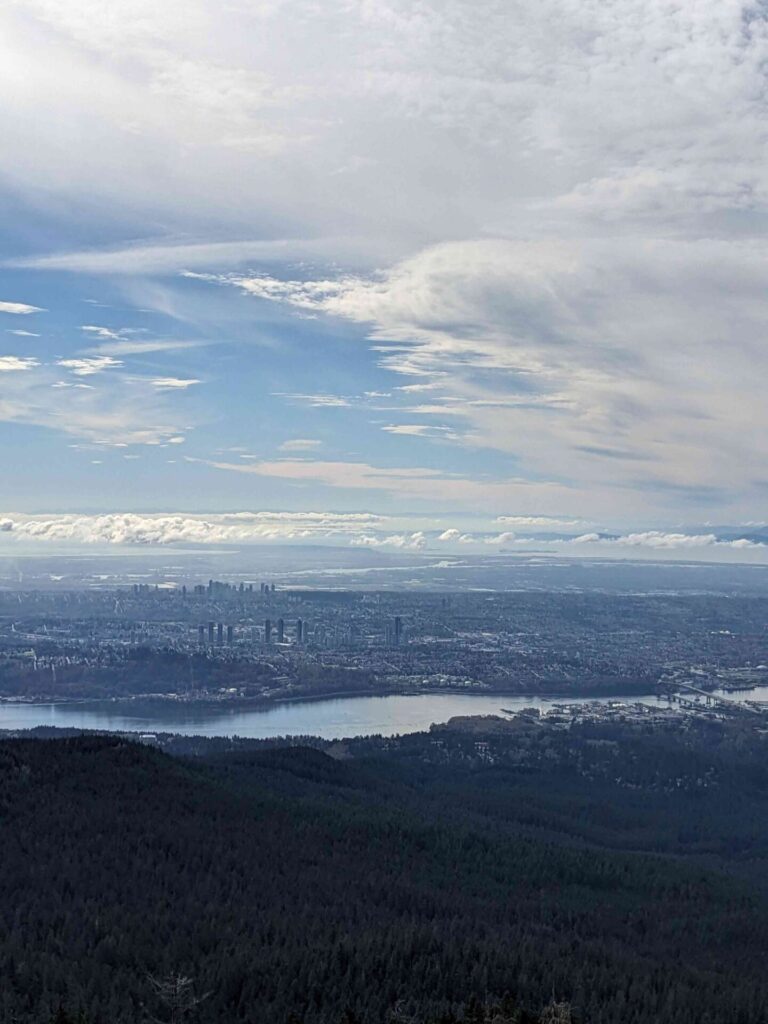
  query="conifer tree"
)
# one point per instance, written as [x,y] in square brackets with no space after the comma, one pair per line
[176,994]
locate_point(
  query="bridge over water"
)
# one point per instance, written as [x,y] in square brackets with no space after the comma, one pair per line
[710,699]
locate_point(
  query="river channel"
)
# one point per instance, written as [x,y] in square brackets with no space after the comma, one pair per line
[331,719]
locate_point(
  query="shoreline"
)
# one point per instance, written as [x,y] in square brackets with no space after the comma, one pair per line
[264,704]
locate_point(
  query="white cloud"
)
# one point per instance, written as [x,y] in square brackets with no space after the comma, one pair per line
[122,341]
[501,538]
[419,482]
[19,308]
[414,388]
[86,366]
[103,332]
[407,542]
[120,410]
[315,520]
[318,401]
[546,522]
[657,541]
[143,347]
[419,430]
[179,258]
[159,529]
[173,383]
[13,364]
[300,444]
[661,541]
[454,536]
[23,334]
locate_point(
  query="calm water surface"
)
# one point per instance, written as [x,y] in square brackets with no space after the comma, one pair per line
[332,719]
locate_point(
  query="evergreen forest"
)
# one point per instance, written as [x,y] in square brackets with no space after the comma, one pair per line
[283,885]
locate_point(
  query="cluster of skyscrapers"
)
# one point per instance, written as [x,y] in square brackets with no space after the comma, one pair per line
[216,588]
[215,634]
[278,629]
[274,632]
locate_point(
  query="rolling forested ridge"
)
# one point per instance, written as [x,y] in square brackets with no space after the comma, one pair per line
[290,886]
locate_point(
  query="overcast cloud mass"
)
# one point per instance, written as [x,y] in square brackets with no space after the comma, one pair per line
[490,276]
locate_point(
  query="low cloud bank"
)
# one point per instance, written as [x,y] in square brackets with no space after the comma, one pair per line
[402,541]
[656,540]
[358,529]
[661,541]
[238,527]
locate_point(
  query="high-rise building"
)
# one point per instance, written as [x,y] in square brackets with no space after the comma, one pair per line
[393,632]
[220,633]
[201,635]
[267,631]
[299,632]
[211,626]
[230,635]
[280,631]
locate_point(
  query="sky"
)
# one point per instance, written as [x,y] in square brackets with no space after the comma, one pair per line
[408,274]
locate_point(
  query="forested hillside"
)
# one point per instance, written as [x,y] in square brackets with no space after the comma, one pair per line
[292,886]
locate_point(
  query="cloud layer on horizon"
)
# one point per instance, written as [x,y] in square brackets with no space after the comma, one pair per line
[162,529]
[355,529]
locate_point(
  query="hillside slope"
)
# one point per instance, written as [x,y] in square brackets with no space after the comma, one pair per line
[286,882]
